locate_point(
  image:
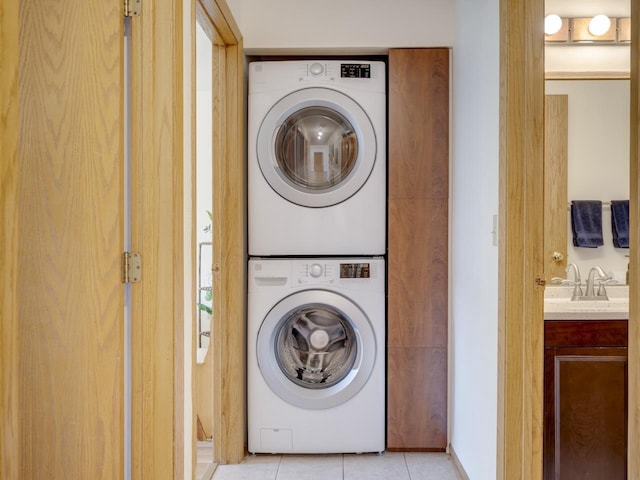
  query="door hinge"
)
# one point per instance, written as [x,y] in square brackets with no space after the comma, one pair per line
[540,282]
[132,8]
[131,267]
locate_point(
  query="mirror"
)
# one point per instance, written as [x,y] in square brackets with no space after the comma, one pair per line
[597,160]
[595,79]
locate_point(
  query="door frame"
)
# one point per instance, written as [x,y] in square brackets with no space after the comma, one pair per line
[228,233]
[520,341]
[633,421]
[9,171]
[156,233]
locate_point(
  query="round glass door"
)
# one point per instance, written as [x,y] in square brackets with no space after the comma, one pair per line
[316,147]
[316,349]
[315,346]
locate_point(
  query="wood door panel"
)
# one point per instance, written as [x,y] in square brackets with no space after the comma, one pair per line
[556,140]
[418,248]
[417,399]
[585,413]
[419,123]
[418,273]
[70,311]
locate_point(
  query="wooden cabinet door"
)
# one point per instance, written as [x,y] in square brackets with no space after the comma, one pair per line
[418,249]
[585,400]
[64,372]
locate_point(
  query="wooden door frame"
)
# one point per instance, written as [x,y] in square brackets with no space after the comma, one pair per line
[158,224]
[520,342]
[228,228]
[157,229]
[9,171]
[633,422]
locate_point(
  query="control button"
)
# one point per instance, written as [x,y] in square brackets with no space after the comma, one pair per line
[315,270]
[316,69]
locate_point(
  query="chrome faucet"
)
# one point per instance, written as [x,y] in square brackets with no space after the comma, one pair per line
[596,273]
[576,283]
[576,272]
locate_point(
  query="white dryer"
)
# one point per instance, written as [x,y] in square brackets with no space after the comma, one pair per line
[317,158]
[315,355]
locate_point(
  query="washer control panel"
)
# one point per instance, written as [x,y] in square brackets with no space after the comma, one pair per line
[320,272]
[352,274]
[333,72]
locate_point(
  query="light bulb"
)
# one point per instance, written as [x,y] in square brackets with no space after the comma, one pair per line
[599,25]
[552,24]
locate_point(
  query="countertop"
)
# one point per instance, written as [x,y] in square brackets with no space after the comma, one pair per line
[559,306]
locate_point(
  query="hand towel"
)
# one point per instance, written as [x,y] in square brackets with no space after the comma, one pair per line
[620,223]
[586,223]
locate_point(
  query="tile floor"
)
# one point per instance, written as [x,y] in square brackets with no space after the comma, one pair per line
[390,466]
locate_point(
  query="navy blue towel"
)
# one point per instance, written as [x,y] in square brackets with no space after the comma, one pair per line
[620,223]
[586,223]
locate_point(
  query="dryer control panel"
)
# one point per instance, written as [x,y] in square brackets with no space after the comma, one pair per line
[363,75]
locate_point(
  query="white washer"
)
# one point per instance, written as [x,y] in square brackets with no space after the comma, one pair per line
[315,355]
[317,158]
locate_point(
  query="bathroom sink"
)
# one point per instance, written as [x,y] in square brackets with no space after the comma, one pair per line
[559,306]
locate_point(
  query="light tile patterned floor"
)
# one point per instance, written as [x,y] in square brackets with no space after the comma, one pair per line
[390,466]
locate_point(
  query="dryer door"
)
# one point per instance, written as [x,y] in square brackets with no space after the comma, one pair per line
[316,349]
[316,147]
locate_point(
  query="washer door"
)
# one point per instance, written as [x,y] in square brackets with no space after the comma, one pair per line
[316,349]
[316,147]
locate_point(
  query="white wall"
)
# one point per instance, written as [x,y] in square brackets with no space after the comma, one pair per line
[598,160]
[236,10]
[370,26]
[474,266]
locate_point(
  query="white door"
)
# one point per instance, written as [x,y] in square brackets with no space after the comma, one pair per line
[316,147]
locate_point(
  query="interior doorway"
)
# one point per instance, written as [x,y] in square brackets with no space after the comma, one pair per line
[203,193]
[520,305]
[217,225]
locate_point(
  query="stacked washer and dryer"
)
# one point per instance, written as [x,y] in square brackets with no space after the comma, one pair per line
[317,236]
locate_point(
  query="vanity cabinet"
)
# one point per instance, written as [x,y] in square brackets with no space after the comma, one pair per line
[418,249]
[585,400]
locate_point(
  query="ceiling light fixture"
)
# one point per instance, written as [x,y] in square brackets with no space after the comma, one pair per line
[599,25]
[552,24]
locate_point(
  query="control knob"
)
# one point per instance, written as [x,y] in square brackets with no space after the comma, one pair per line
[316,69]
[315,270]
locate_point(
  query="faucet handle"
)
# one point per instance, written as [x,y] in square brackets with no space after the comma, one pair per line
[602,281]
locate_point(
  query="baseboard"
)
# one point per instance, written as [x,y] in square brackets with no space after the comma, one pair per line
[456,462]
[208,474]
